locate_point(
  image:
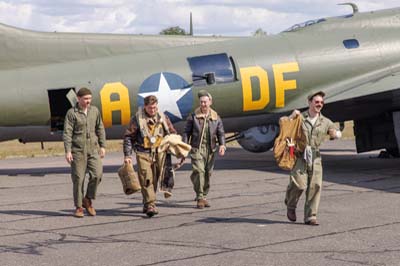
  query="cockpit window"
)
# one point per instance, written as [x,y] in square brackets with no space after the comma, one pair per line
[298,26]
[211,69]
[351,43]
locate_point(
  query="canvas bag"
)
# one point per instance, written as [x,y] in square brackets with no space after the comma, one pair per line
[290,142]
[129,179]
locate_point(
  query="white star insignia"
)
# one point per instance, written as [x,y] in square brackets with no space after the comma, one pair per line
[167,98]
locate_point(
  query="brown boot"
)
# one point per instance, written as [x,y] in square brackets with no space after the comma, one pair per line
[151,211]
[87,204]
[79,212]
[200,204]
[291,215]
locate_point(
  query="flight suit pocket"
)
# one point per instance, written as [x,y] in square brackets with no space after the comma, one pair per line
[317,171]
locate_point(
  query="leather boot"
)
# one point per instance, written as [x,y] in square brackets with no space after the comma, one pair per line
[291,215]
[87,204]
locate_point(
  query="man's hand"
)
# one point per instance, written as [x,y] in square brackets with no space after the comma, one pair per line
[102,152]
[128,160]
[334,134]
[294,114]
[222,149]
[69,157]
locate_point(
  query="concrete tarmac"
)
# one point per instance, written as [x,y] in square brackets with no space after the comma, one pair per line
[246,225]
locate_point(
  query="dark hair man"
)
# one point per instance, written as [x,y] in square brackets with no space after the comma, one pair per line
[307,171]
[144,135]
[84,144]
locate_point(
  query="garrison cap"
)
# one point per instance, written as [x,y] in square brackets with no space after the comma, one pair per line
[314,93]
[83,92]
[204,93]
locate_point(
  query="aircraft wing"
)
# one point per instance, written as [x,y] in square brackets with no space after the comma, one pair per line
[381,85]
[365,100]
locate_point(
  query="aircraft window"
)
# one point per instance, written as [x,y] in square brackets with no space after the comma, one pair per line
[351,43]
[296,27]
[211,69]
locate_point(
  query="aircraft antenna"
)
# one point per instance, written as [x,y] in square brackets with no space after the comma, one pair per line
[354,6]
[191,25]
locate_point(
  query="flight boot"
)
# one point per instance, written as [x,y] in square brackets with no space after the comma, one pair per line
[79,212]
[151,211]
[87,204]
[291,215]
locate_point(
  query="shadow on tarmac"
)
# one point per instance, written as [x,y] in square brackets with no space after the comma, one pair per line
[240,220]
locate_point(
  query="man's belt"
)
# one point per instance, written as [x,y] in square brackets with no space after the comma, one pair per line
[142,149]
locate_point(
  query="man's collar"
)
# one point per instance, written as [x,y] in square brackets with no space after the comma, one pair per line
[80,109]
[212,114]
[307,115]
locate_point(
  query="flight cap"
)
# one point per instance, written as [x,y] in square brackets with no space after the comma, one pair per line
[84,91]
[314,93]
[204,93]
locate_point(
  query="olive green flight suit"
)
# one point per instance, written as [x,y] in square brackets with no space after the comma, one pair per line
[202,164]
[308,176]
[83,136]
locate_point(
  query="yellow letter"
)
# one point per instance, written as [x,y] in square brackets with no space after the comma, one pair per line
[280,84]
[248,103]
[122,105]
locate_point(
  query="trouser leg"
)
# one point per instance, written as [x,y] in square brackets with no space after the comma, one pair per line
[158,168]
[198,174]
[145,174]
[209,167]
[78,172]
[95,169]
[313,193]
[297,184]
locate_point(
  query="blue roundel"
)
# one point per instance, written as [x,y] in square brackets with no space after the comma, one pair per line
[174,94]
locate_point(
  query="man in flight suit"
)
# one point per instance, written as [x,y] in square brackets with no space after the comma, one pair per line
[84,144]
[144,135]
[307,171]
[202,131]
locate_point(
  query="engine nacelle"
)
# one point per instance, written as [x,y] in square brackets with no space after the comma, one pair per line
[259,139]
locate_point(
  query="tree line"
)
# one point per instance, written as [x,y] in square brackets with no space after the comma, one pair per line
[176,30]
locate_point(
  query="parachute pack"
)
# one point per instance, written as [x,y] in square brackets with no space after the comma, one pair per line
[290,142]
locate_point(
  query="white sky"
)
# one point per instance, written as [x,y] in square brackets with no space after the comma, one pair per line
[224,17]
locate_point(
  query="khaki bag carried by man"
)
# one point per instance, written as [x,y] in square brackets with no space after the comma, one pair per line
[290,142]
[129,179]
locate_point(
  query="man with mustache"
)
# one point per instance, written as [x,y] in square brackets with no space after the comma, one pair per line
[307,171]
[205,133]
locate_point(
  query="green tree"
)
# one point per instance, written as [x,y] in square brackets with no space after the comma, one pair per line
[259,33]
[173,31]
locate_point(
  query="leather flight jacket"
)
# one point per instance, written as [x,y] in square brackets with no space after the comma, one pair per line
[134,139]
[194,129]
